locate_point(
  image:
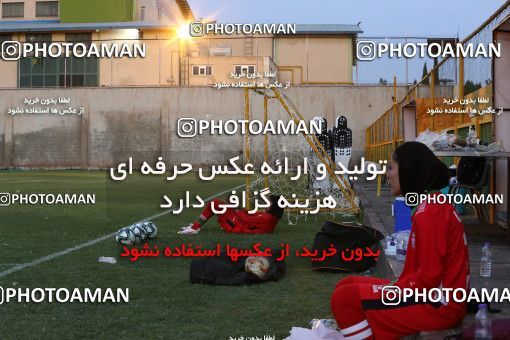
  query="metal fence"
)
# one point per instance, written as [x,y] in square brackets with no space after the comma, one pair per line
[463,78]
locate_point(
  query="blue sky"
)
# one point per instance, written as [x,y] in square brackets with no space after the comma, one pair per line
[378,17]
[381,18]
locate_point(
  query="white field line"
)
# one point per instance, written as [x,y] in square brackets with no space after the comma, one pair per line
[53,256]
[20,180]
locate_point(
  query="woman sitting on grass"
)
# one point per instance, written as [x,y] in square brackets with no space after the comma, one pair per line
[239,220]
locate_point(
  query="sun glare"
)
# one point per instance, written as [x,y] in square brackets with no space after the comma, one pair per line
[183,31]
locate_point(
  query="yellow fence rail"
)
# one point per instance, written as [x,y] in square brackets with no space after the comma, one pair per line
[451,77]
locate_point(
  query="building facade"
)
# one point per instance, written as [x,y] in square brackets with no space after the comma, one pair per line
[74,11]
[315,54]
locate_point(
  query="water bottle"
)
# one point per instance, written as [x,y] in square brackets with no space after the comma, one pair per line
[453,181]
[471,137]
[391,246]
[402,238]
[483,323]
[486,261]
[328,323]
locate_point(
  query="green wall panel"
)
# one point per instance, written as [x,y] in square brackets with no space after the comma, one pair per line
[96,10]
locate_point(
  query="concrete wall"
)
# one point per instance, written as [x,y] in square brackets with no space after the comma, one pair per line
[9,74]
[319,59]
[159,67]
[141,123]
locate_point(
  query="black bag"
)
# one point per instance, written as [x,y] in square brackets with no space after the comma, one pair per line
[222,270]
[470,170]
[346,236]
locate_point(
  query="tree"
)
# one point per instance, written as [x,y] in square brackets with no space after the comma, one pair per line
[383,81]
[470,86]
[424,74]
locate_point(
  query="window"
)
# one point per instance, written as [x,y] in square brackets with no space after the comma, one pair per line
[38,72]
[46,9]
[84,38]
[38,38]
[13,10]
[5,37]
[59,72]
[244,69]
[202,70]
[223,51]
[80,71]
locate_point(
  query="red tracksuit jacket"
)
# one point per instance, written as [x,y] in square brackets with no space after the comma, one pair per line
[437,253]
[239,221]
[437,257]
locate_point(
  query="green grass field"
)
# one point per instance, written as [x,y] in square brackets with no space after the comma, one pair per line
[163,304]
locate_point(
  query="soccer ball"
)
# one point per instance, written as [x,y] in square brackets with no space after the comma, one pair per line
[125,236]
[257,265]
[143,230]
[139,232]
[150,229]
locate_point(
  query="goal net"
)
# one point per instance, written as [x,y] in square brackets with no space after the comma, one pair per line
[290,151]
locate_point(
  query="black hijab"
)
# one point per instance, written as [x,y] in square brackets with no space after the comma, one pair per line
[419,170]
